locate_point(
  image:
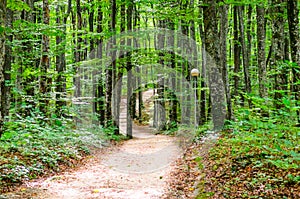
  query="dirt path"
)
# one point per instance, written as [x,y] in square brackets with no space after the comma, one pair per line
[136,169]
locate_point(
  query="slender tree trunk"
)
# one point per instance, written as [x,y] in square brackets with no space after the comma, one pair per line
[140,105]
[244,52]
[120,70]
[28,83]
[203,80]
[248,32]
[223,54]
[100,86]
[129,70]
[2,60]
[61,59]
[261,43]
[236,51]
[45,61]
[114,68]
[58,62]
[92,55]
[278,52]
[172,97]
[78,26]
[293,20]
[5,89]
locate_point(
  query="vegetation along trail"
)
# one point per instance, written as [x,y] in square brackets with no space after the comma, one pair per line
[168,99]
[136,169]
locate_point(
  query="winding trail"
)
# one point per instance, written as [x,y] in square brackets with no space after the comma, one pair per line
[138,168]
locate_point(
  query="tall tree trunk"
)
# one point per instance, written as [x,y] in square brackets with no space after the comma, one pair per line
[116,105]
[236,51]
[45,61]
[223,55]
[213,63]
[100,86]
[5,89]
[172,97]
[244,52]
[278,52]
[28,83]
[185,70]
[92,55]
[203,76]
[248,32]
[61,59]
[2,59]
[261,43]
[194,64]
[293,20]
[120,71]
[129,70]
[111,73]
[138,69]
[77,52]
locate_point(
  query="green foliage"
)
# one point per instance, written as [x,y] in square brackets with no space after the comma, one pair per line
[31,147]
[269,147]
[17,5]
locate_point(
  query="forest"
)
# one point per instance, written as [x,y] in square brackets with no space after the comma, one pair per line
[75,76]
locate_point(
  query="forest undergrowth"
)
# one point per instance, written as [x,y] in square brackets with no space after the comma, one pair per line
[254,157]
[33,147]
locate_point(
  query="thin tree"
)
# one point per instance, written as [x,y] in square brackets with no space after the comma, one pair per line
[61,58]
[2,58]
[100,86]
[110,70]
[236,51]
[293,20]
[77,25]
[129,72]
[45,61]
[5,88]
[245,53]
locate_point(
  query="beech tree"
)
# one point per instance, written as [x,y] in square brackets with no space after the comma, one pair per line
[236,36]
[2,59]
[293,21]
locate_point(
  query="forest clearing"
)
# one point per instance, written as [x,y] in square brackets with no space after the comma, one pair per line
[149,99]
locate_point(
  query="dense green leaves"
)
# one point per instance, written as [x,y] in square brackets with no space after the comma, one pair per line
[18,5]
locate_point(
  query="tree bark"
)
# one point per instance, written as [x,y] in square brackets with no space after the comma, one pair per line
[114,106]
[244,52]
[213,63]
[100,85]
[278,52]
[203,80]
[223,55]
[77,53]
[293,20]
[45,61]
[261,43]
[236,51]
[5,89]
[2,60]
[61,59]
[129,71]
